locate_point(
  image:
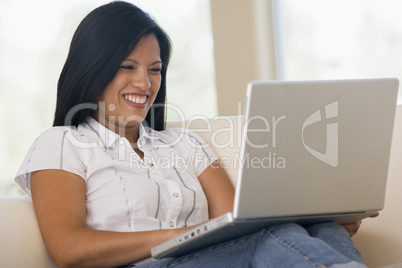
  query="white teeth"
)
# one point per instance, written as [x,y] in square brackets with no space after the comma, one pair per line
[136,99]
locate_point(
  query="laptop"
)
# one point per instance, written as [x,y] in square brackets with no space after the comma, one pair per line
[312,151]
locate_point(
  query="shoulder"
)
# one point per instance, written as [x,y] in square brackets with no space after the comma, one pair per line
[65,136]
[55,133]
[52,150]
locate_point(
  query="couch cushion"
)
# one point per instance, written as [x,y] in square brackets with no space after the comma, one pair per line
[380,239]
[223,134]
[21,241]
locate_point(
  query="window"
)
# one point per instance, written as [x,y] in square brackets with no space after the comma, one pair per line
[34,41]
[340,39]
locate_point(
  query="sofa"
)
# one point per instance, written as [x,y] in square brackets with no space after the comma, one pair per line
[379,239]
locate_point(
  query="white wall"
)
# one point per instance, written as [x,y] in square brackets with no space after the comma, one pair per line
[244,48]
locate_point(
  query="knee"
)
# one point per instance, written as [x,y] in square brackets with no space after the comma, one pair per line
[287,228]
[330,228]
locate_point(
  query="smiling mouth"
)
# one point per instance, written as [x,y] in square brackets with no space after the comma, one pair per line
[136,99]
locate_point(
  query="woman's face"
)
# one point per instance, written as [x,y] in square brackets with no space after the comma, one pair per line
[126,101]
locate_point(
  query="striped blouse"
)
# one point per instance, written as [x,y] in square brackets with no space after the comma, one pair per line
[124,192]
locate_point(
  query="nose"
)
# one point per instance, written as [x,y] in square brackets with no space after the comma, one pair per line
[141,80]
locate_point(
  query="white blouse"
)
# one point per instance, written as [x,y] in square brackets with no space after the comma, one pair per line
[124,192]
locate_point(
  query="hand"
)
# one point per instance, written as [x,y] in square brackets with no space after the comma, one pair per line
[352,228]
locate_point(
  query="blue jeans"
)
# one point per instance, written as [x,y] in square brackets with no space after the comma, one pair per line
[287,245]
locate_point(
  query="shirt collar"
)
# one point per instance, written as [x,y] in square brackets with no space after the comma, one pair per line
[147,133]
[108,138]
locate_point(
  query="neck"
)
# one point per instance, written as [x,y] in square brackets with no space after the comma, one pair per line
[128,130]
[131,133]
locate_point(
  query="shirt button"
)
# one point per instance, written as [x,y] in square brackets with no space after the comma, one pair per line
[121,142]
[171,224]
[175,195]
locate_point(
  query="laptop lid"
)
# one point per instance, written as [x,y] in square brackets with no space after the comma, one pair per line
[315,147]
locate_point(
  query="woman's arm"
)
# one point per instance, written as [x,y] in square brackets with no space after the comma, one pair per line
[218,189]
[59,202]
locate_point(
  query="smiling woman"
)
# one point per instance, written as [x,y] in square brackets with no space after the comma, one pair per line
[133,90]
[28,73]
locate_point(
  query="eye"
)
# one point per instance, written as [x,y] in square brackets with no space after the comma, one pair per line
[156,70]
[127,67]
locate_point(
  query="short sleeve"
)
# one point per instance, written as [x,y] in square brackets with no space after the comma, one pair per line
[200,153]
[51,150]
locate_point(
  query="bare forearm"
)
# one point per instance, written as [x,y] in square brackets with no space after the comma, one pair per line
[92,248]
[59,202]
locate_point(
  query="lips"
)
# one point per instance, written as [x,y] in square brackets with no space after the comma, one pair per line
[139,99]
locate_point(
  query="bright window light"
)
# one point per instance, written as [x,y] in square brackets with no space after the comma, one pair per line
[340,39]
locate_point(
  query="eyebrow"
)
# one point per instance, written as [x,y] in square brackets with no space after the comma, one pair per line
[136,62]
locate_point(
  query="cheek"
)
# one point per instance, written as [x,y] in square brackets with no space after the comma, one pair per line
[156,84]
[106,96]
[111,92]
[119,81]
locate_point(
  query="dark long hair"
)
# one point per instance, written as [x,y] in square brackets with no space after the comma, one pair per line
[101,42]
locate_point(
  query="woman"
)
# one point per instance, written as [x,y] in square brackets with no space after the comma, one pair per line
[101,197]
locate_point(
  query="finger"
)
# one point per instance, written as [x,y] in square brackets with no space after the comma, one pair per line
[375,215]
[352,228]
